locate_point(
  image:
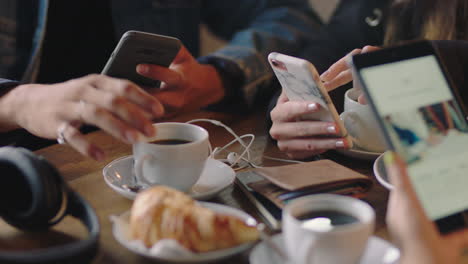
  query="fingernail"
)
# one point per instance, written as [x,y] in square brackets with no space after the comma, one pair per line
[312,107]
[340,144]
[142,69]
[324,75]
[97,154]
[331,129]
[389,158]
[158,109]
[149,130]
[131,136]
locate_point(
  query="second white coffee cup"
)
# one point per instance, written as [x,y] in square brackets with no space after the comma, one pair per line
[327,228]
[361,124]
[175,157]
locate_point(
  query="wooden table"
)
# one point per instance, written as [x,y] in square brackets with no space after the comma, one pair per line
[85,176]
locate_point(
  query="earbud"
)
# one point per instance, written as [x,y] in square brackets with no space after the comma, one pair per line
[232,158]
[241,160]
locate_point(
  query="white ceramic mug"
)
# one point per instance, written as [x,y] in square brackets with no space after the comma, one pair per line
[361,124]
[178,166]
[328,244]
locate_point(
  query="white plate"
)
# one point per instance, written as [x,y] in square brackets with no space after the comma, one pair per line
[359,153]
[216,176]
[173,253]
[380,173]
[378,251]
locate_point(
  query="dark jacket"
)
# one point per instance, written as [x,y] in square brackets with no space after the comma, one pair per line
[254,29]
[362,22]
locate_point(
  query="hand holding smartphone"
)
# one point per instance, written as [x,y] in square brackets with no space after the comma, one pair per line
[137,47]
[422,120]
[301,82]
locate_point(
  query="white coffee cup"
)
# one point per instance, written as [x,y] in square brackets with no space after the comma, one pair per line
[361,124]
[317,241]
[176,165]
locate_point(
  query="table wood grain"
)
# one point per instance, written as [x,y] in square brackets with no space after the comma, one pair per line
[85,176]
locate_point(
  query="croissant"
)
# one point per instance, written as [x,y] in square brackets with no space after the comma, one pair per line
[164,213]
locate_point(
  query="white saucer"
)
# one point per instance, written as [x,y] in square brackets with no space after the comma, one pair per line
[359,153]
[380,173]
[170,252]
[378,251]
[215,177]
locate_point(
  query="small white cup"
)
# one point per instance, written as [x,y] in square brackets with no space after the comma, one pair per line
[178,166]
[327,244]
[361,124]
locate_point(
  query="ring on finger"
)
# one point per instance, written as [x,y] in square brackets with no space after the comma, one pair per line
[61,133]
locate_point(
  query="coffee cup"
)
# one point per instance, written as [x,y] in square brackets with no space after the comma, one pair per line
[361,124]
[326,228]
[175,157]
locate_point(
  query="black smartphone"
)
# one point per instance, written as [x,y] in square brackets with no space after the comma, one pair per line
[137,47]
[423,121]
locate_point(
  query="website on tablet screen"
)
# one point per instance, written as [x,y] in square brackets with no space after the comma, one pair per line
[426,128]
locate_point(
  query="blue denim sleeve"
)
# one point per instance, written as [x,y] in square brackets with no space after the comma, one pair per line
[254,29]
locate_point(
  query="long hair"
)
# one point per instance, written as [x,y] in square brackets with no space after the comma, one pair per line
[427,19]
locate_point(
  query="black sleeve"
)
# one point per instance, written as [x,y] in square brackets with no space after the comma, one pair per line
[354,24]
[349,28]
[6,84]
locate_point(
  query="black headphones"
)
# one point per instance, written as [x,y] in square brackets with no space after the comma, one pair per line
[34,197]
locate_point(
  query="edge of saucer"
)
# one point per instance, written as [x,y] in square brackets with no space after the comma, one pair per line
[378,176]
[131,195]
[276,239]
[359,153]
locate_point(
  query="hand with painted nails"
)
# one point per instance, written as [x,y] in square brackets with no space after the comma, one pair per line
[300,138]
[340,73]
[186,85]
[118,107]
[413,232]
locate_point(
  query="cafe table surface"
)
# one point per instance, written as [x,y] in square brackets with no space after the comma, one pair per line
[84,175]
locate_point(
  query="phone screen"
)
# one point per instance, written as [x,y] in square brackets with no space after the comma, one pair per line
[425,125]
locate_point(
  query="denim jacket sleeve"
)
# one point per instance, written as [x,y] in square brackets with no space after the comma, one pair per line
[254,29]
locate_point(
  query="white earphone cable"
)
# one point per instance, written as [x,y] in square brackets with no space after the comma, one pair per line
[237,138]
[233,158]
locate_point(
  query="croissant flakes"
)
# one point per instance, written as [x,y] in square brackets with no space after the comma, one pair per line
[164,213]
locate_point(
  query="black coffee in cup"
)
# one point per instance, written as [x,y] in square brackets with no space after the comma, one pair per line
[331,218]
[170,141]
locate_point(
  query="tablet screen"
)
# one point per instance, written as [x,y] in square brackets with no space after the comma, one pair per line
[425,126]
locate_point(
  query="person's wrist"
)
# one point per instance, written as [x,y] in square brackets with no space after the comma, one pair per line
[229,72]
[216,87]
[417,258]
[11,107]
[420,251]
[232,79]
